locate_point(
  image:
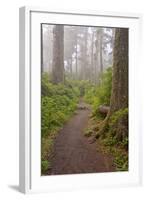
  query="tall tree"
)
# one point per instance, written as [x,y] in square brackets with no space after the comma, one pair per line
[70,42]
[98,54]
[58,54]
[92,74]
[119,95]
[83,51]
[107,46]
[47,47]
[76,51]
[101,49]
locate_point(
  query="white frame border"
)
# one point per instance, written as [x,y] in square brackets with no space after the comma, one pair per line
[25,89]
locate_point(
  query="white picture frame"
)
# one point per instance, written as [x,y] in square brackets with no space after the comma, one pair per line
[30,176]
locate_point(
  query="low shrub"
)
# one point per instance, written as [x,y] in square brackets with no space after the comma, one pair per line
[58,103]
[118,115]
[121,161]
[45,165]
[97,95]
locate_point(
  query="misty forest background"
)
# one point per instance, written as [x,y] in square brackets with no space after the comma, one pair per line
[85,65]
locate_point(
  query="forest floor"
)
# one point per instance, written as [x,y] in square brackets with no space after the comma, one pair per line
[73,153]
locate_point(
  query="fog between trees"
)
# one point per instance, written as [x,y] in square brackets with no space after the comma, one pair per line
[85,66]
[85,52]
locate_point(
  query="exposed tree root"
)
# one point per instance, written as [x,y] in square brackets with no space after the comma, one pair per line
[103,128]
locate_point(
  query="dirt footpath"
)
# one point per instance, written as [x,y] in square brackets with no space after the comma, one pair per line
[73,152]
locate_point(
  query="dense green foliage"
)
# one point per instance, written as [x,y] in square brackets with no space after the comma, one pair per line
[97,95]
[58,102]
[44,165]
[117,115]
[120,154]
[117,149]
[100,94]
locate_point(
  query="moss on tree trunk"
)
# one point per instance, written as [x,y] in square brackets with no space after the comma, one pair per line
[119,94]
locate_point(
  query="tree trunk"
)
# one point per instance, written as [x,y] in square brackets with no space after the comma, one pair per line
[98,56]
[119,95]
[42,53]
[92,58]
[58,54]
[71,66]
[76,57]
[85,54]
[101,58]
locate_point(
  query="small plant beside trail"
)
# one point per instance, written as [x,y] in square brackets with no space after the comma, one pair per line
[58,103]
[109,142]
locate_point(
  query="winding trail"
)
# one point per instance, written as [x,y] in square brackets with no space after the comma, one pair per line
[73,152]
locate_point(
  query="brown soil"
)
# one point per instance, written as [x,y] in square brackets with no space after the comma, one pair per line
[73,152]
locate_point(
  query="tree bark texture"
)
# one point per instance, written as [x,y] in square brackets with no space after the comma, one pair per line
[58,54]
[119,94]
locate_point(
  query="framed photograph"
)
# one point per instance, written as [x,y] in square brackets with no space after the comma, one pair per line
[79,102]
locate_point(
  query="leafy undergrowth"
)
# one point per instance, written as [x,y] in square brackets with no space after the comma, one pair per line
[110,145]
[58,103]
[117,149]
[97,95]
